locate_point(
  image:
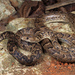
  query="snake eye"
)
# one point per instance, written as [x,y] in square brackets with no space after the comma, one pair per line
[27,38]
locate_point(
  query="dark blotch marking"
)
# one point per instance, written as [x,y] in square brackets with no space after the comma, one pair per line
[59,41]
[56,51]
[69,57]
[36,51]
[63,56]
[36,30]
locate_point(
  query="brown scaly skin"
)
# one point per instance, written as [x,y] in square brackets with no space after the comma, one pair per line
[64,54]
[14,42]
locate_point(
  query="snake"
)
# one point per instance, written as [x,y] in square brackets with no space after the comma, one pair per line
[15,41]
[29,39]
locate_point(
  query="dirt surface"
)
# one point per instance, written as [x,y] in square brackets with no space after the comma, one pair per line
[58,68]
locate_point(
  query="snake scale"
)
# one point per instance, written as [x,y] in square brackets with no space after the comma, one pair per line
[29,38]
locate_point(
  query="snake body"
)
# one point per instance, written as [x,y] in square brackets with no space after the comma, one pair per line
[14,41]
[29,38]
[64,54]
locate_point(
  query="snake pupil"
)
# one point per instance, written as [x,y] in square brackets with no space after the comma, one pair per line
[27,38]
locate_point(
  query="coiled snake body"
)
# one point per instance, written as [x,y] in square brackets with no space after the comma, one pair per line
[29,38]
[15,41]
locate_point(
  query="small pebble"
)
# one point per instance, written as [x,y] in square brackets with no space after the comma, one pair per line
[69,67]
[66,64]
[48,63]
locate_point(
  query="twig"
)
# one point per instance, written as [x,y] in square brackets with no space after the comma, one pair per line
[66,2]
